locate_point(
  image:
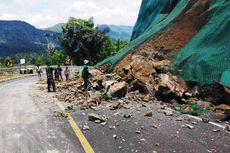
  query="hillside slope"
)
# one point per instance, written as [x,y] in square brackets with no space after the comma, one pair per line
[191,33]
[20,37]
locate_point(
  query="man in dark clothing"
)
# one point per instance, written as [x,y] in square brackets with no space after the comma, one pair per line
[67,73]
[50,77]
[85,75]
[59,72]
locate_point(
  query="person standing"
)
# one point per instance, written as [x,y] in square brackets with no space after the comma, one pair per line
[50,77]
[39,71]
[59,72]
[67,73]
[85,75]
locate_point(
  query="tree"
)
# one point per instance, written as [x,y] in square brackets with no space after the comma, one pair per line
[81,40]
[121,44]
[108,48]
[58,57]
[39,61]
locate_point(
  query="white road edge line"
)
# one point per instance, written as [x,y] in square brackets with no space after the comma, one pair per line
[212,123]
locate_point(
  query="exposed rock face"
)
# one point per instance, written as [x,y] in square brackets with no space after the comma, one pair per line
[172,84]
[141,67]
[177,35]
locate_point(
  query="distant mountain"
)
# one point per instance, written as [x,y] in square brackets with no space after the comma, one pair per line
[56,28]
[116,31]
[21,37]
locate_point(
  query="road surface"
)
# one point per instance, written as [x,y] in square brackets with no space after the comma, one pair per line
[28,125]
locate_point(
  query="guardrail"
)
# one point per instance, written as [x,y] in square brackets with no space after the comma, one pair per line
[32,66]
[16,68]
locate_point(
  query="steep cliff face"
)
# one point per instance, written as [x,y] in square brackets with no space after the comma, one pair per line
[186,32]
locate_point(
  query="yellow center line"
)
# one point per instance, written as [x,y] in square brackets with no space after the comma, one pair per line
[84,142]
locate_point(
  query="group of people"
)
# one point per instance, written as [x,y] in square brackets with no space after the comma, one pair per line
[57,72]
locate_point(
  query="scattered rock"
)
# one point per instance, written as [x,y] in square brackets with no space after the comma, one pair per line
[138,132]
[189,126]
[112,127]
[179,119]
[212,151]
[115,106]
[149,114]
[186,109]
[85,127]
[143,140]
[103,123]
[168,112]
[95,118]
[205,120]
[227,127]
[115,136]
[216,130]
[127,116]
[194,123]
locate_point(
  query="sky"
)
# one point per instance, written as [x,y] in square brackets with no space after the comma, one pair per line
[46,13]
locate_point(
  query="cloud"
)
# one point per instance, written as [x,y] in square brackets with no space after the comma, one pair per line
[44,13]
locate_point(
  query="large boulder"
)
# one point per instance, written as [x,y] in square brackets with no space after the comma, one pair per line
[141,67]
[170,86]
[117,89]
[95,72]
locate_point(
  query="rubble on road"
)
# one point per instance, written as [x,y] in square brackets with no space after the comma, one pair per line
[144,80]
[60,114]
[149,114]
[227,127]
[168,112]
[85,128]
[96,118]
[127,115]
[189,126]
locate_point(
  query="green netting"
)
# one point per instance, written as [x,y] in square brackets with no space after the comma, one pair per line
[225,79]
[149,11]
[195,109]
[207,55]
[149,23]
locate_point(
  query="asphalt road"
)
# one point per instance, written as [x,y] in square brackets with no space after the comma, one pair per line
[28,126]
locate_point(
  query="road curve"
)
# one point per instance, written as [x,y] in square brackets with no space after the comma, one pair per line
[28,126]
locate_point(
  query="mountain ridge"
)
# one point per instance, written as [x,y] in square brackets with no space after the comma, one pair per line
[19,37]
[122,32]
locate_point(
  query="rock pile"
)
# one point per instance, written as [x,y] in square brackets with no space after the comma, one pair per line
[145,79]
